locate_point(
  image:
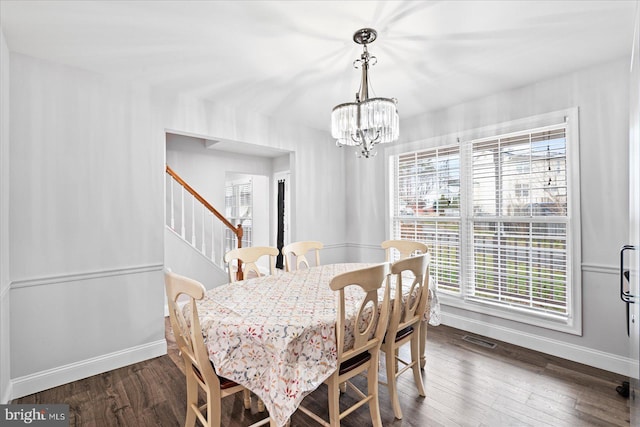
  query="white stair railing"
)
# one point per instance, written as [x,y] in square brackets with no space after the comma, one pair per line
[199,223]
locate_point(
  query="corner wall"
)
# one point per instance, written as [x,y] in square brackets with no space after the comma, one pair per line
[86,213]
[86,221]
[5,342]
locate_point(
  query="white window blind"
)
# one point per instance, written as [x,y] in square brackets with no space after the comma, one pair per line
[426,208]
[500,220]
[239,210]
[518,239]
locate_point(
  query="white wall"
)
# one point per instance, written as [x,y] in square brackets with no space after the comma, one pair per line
[263,235]
[86,212]
[601,94]
[5,343]
[86,221]
[183,259]
[281,163]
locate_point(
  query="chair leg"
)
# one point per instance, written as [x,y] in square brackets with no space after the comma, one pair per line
[247,398]
[396,355]
[214,409]
[415,361]
[390,364]
[372,389]
[334,402]
[192,401]
[423,343]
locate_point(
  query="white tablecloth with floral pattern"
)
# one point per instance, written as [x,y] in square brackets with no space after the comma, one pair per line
[275,334]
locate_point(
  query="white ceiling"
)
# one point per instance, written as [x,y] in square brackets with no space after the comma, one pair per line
[293,59]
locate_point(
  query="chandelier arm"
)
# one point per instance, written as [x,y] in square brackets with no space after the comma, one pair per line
[360,139]
[366,152]
[377,138]
[367,147]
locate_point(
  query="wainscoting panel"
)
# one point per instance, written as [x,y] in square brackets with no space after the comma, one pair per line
[64,329]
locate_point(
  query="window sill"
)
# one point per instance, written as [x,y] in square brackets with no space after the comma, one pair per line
[568,326]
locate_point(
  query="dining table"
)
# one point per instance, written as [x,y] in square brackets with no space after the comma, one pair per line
[275,334]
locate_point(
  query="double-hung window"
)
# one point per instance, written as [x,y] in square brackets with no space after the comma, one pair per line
[499,214]
[426,208]
[238,201]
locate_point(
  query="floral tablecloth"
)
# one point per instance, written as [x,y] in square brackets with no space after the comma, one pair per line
[275,334]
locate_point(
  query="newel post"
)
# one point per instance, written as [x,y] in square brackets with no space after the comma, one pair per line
[239,234]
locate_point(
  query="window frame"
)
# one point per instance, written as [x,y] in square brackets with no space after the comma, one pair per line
[570,118]
[233,214]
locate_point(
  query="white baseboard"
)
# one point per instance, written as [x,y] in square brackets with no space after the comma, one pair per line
[44,380]
[598,359]
[5,397]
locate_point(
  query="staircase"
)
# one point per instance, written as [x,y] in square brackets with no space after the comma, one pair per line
[197,234]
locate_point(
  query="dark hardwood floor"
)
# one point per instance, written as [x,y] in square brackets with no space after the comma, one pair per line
[466,385]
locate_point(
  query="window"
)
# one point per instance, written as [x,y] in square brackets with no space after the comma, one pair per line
[518,251]
[427,208]
[495,212]
[521,191]
[238,203]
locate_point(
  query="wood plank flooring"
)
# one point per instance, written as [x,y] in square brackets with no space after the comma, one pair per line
[466,385]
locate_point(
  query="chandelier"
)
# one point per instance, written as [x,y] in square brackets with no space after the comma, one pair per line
[368,121]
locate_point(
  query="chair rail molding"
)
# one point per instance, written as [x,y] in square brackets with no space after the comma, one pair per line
[4,290]
[600,268]
[85,275]
[364,246]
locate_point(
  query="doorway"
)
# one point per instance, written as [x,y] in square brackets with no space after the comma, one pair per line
[282,184]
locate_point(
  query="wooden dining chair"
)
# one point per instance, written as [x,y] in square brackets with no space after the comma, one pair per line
[406,248]
[199,370]
[369,326]
[407,310]
[299,250]
[249,256]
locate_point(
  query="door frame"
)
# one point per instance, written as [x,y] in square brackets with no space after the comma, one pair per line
[634,221]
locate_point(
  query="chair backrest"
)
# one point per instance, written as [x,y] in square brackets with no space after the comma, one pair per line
[409,310]
[406,248]
[372,313]
[249,256]
[188,334]
[299,250]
